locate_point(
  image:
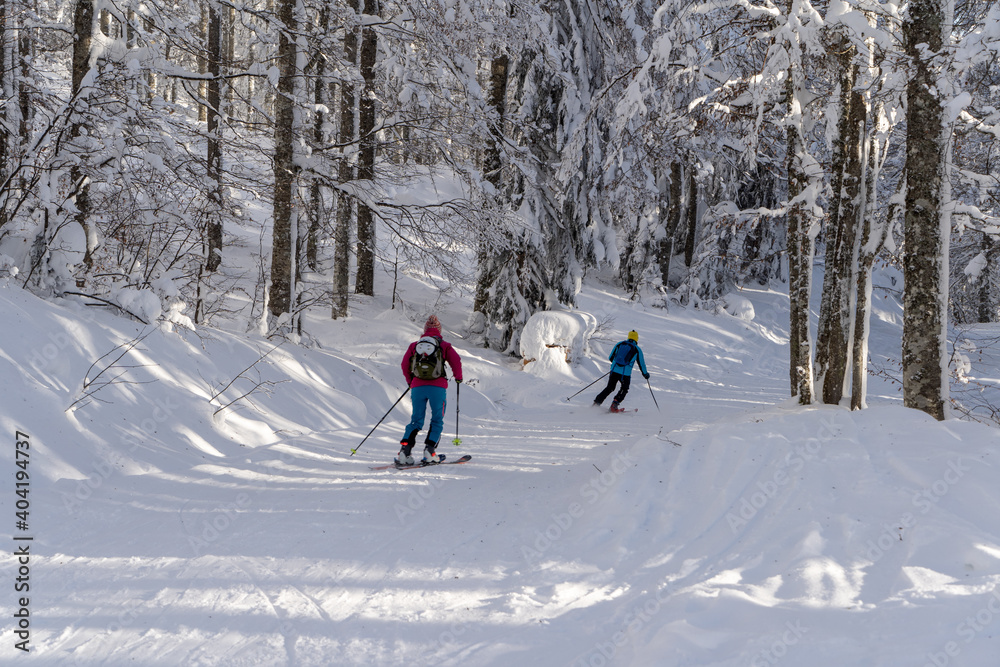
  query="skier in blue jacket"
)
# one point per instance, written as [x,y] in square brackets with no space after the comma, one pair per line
[622,358]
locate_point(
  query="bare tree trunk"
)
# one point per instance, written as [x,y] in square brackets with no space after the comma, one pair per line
[985,307]
[280,298]
[800,245]
[671,221]
[6,140]
[214,157]
[800,251]
[833,339]
[873,233]
[873,238]
[347,134]
[83,35]
[25,55]
[106,24]
[151,80]
[15,128]
[692,218]
[365,279]
[230,51]
[203,64]
[926,236]
[317,193]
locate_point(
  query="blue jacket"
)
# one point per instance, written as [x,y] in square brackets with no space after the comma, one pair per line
[627,368]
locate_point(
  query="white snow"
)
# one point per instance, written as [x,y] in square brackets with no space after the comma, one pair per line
[738,306]
[202,507]
[974,269]
[552,340]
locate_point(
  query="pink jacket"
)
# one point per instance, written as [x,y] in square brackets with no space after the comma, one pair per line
[450,356]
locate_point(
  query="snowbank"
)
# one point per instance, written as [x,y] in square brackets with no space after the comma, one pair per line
[738,306]
[553,339]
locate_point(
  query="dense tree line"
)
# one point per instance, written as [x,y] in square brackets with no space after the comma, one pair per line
[150,150]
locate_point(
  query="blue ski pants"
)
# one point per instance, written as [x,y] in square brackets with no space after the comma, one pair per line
[421,397]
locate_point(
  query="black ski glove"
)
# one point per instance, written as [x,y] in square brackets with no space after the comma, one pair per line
[645,375]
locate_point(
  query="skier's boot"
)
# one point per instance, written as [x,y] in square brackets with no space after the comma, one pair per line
[404,458]
[430,453]
[614,407]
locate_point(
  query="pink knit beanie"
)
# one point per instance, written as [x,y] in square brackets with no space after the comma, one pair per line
[432,323]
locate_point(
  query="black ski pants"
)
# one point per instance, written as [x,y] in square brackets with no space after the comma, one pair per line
[614,379]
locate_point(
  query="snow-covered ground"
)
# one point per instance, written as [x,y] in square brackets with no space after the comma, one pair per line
[172,524]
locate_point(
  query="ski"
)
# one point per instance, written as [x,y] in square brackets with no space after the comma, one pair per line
[394,466]
[621,410]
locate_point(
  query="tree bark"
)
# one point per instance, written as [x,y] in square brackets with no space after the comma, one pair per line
[873,237]
[317,193]
[25,49]
[83,36]
[213,236]
[365,279]
[833,339]
[671,221]
[874,232]
[692,218]
[203,111]
[281,298]
[345,174]
[5,90]
[800,245]
[926,234]
[986,310]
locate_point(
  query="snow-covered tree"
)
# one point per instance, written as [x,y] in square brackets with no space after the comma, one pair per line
[846,205]
[281,298]
[927,223]
[365,281]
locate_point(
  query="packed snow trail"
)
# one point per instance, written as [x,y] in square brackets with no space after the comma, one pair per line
[730,528]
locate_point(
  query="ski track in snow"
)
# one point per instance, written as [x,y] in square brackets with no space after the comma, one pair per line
[730,528]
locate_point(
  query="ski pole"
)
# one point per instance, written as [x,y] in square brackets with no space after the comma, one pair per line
[458,386]
[355,450]
[590,385]
[651,394]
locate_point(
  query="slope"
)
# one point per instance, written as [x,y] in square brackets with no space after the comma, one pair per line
[732,527]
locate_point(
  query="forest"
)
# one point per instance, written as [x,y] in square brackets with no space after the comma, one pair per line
[507,149]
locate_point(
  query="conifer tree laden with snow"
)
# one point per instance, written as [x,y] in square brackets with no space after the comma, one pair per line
[493,171]
[513,276]
[927,223]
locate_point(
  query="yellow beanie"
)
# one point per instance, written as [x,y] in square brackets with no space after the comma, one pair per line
[633,335]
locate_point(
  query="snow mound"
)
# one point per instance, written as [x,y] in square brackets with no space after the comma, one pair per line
[144,304]
[554,339]
[738,306]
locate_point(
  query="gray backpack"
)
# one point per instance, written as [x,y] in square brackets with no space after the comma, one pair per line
[427,362]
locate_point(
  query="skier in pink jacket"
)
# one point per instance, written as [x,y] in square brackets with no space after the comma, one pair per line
[423,369]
